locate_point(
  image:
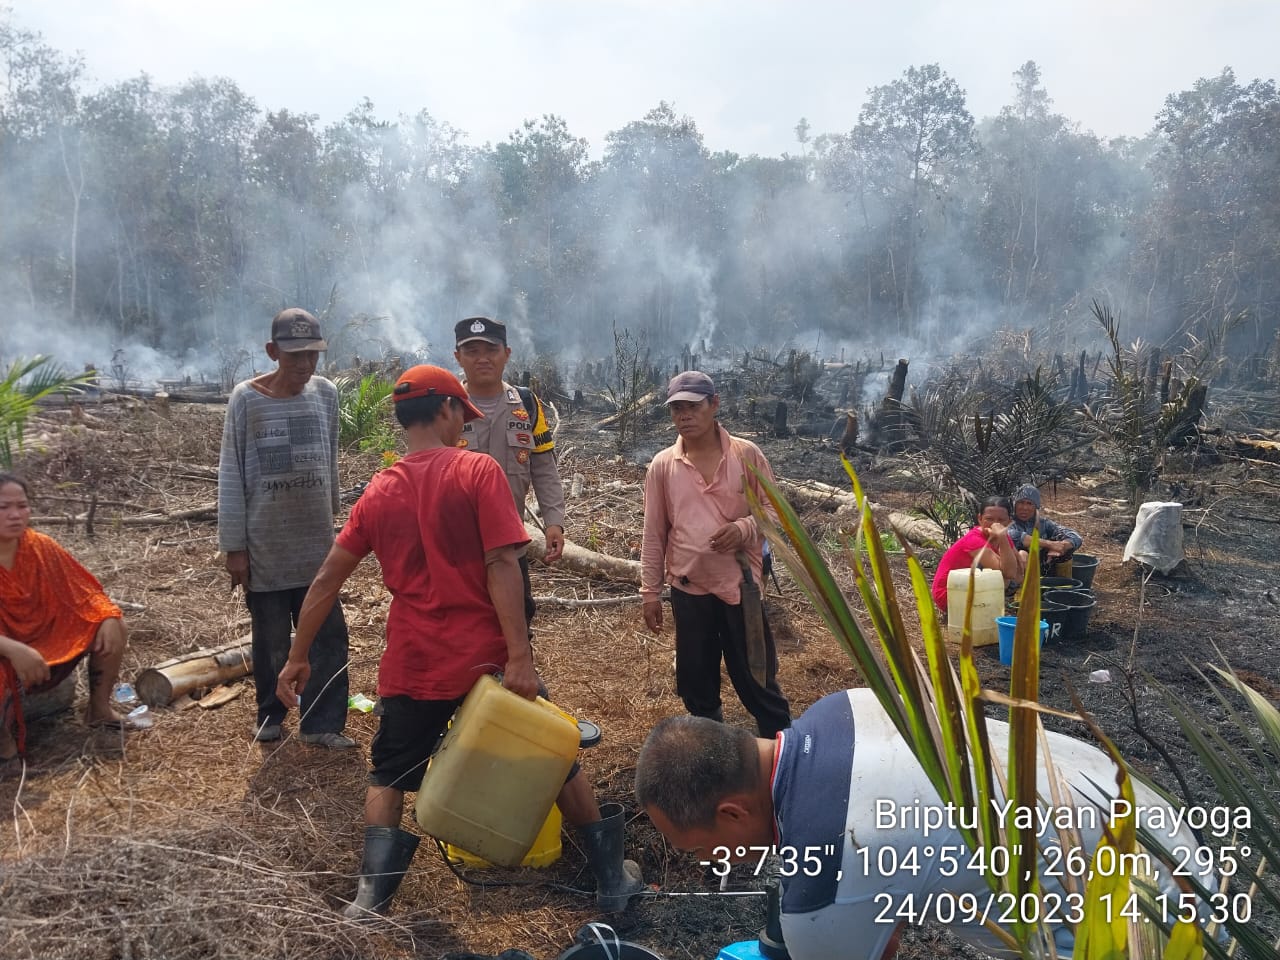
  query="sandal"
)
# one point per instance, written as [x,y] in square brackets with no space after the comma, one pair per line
[126,724]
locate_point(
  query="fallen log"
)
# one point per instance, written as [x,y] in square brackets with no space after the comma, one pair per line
[219,695]
[1258,448]
[819,494]
[160,685]
[640,404]
[208,511]
[590,563]
[919,530]
[580,560]
[552,600]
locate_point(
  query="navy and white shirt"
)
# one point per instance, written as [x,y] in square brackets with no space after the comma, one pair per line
[855,812]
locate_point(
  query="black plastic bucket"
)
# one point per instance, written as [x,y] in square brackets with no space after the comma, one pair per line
[1083,567]
[616,950]
[1055,615]
[1060,583]
[599,942]
[1079,604]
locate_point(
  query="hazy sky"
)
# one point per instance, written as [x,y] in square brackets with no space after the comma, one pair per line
[745,70]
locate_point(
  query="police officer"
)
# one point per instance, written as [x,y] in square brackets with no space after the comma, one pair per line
[514,432]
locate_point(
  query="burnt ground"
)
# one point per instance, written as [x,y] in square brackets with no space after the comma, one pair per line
[186,840]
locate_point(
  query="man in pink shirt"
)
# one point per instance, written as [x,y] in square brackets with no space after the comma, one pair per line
[696,518]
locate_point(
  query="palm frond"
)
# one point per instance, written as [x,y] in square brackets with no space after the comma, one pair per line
[939,712]
[24,384]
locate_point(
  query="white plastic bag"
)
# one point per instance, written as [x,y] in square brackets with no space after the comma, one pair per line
[1157,536]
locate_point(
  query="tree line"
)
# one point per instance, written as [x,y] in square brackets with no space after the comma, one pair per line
[173,216]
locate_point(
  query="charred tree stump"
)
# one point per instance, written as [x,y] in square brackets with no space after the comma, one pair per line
[780,420]
[897,382]
[1080,380]
[849,441]
[1187,426]
[889,426]
[1166,376]
[1152,374]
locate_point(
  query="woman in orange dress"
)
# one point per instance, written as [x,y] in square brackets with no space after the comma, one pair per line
[52,612]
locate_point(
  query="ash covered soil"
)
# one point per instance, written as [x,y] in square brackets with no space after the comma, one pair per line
[187,840]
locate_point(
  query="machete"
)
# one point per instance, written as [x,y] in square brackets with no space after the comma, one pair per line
[753,616]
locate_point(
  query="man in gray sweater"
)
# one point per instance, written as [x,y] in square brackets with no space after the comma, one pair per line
[277,496]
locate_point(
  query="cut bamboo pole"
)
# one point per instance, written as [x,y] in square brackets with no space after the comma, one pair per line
[160,685]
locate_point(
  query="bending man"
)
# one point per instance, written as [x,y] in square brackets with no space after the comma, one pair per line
[842,794]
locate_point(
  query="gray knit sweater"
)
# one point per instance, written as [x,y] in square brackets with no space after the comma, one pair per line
[278,482]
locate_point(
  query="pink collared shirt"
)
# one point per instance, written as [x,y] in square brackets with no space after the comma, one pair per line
[682,510]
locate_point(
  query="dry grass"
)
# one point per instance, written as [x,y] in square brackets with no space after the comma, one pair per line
[188,841]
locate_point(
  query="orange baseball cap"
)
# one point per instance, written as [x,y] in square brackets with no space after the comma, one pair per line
[424,380]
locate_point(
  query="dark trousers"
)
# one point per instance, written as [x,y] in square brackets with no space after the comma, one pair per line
[324,700]
[708,629]
[530,608]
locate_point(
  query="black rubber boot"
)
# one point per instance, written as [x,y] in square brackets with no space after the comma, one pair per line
[617,880]
[387,852]
[772,945]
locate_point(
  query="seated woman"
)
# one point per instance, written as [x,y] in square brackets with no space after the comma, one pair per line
[989,542]
[1056,541]
[52,612]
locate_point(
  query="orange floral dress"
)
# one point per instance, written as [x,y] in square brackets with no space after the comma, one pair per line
[52,603]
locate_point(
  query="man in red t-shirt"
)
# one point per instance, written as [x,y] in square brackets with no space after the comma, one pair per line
[445,529]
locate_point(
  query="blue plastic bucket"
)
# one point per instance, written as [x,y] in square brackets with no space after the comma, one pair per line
[1005,626]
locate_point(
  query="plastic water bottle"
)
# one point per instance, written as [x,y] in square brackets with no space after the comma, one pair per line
[123,693]
[141,717]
